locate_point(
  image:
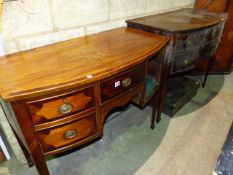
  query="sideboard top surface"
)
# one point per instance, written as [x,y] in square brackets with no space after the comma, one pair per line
[75,62]
[179,20]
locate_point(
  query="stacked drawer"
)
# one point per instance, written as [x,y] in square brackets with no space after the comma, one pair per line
[210,41]
[70,119]
[65,120]
[186,51]
[189,46]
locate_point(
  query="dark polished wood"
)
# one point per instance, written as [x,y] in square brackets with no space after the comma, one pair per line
[194,38]
[224,57]
[64,102]
[184,26]
[177,21]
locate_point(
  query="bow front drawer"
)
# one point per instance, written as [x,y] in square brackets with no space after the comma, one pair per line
[53,107]
[67,135]
[116,85]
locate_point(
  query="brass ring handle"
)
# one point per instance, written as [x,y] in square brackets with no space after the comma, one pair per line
[65,108]
[70,134]
[126,82]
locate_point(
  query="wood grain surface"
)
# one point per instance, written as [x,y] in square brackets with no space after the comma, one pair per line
[55,138]
[46,110]
[110,88]
[178,20]
[75,62]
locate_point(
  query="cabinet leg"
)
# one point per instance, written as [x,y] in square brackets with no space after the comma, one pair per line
[158,118]
[152,126]
[40,162]
[204,81]
[28,132]
[154,110]
[210,65]
[25,151]
[159,104]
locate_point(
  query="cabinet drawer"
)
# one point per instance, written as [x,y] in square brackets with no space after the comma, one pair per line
[185,42]
[185,61]
[209,49]
[68,134]
[212,33]
[54,107]
[114,86]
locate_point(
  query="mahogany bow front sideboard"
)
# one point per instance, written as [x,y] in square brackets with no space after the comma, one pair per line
[195,37]
[57,97]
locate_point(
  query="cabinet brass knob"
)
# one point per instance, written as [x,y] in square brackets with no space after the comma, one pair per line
[65,108]
[70,134]
[126,82]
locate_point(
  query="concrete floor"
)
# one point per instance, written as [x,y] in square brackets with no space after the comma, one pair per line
[187,144]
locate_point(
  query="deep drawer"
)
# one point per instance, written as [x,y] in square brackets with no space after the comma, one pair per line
[185,61]
[68,134]
[54,107]
[115,86]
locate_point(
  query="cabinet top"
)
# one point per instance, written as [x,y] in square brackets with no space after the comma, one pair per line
[179,20]
[76,62]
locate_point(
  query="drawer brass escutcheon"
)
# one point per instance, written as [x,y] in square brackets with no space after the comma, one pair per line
[70,134]
[65,108]
[126,82]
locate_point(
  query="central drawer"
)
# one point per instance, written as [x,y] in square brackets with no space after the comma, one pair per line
[120,83]
[54,107]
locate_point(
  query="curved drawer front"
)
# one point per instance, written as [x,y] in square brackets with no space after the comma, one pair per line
[212,33]
[115,86]
[209,49]
[65,135]
[54,107]
[187,41]
[185,61]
